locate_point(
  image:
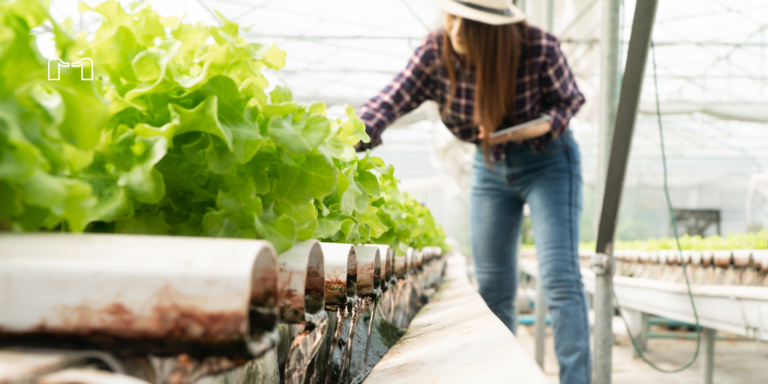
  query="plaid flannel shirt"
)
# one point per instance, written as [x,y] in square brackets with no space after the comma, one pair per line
[545,85]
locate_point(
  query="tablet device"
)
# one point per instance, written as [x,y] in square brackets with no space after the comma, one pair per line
[527,124]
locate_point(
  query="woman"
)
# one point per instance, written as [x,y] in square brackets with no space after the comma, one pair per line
[488,70]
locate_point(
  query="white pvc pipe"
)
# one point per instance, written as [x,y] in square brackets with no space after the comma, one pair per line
[368,270]
[340,262]
[163,288]
[302,281]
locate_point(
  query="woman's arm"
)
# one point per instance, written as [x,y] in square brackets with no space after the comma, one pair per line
[560,97]
[411,87]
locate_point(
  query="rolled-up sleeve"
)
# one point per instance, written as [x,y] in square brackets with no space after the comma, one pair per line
[411,87]
[560,96]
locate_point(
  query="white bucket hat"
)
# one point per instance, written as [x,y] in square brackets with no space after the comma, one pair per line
[495,12]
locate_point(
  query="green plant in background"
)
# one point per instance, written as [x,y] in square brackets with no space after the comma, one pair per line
[715,242]
[755,240]
[410,224]
[697,243]
[526,231]
[181,138]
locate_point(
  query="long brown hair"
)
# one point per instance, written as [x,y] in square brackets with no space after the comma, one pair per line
[493,53]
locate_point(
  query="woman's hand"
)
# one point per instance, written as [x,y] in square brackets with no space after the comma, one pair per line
[526,133]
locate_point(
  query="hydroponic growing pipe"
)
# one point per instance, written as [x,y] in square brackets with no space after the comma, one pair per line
[163,278]
[155,295]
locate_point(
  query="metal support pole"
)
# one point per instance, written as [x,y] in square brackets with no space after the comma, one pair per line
[518,294]
[642,337]
[602,263]
[550,16]
[638,327]
[540,326]
[609,91]
[708,366]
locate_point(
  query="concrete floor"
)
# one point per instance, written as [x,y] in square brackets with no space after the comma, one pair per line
[737,362]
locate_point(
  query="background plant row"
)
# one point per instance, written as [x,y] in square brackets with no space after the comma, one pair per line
[755,240]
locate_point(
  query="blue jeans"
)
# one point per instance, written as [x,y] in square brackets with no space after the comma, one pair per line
[548,180]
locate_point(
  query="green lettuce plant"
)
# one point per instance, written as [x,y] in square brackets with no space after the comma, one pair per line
[179,136]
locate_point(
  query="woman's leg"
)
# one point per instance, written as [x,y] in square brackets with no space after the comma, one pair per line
[554,196]
[495,218]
